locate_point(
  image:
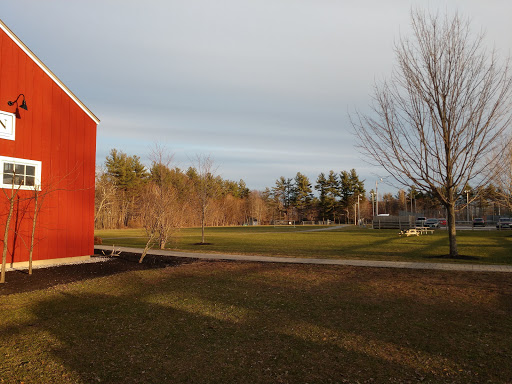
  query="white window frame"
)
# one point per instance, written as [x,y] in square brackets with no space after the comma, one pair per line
[16,161]
[8,125]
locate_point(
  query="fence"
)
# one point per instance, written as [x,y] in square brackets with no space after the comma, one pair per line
[393,222]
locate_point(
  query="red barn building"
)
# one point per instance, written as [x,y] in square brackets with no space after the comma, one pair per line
[48,148]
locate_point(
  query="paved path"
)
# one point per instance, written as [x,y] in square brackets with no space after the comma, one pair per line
[331,228]
[297,260]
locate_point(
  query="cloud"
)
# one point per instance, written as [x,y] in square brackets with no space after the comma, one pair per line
[262,85]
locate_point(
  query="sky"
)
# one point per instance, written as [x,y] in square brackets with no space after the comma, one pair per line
[264,87]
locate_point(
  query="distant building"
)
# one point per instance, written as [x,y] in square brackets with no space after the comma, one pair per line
[47,146]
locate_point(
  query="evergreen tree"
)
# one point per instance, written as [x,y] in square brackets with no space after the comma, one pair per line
[332,193]
[235,189]
[243,191]
[357,185]
[126,172]
[128,175]
[351,189]
[321,186]
[160,174]
[301,194]
[192,174]
[282,193]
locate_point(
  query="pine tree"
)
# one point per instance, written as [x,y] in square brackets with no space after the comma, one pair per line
[128,175]
[282,193]
[301,194]
[321,186]
[125,171]
[351,189]
[332,193]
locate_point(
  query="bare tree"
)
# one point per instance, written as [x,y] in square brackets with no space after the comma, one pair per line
[104,196]
[39,193]
[257,209]
[158,215]
[206,187]
[442,114]
[38,200]
[11,198]
[161,212]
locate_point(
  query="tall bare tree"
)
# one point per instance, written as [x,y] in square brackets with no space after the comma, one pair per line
[438,120]
[206,187]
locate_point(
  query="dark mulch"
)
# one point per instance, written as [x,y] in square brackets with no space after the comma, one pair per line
[42,278]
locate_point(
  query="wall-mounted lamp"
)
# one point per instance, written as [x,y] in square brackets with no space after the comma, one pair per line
[23,105]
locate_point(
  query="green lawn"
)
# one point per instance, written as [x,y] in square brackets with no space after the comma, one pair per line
[222,322]
[494,247]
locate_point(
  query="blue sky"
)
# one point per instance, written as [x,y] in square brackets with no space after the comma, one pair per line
[263,86]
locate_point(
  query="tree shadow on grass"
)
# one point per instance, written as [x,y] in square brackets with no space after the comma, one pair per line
[126,340]
[389,246]
[238,323]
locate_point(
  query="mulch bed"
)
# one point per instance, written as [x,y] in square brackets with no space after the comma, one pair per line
[20,281]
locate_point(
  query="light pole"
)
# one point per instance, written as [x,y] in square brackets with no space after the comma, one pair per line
[373,207]
[358,210]
[467,204]
[377,197]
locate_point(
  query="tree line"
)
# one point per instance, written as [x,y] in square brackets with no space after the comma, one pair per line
[125,185]
[129,194]
[197,196]
[293,199]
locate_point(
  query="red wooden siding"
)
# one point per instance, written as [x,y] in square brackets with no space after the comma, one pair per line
[58,132]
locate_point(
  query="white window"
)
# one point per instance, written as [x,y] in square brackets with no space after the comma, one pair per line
[20,173]
[7,125]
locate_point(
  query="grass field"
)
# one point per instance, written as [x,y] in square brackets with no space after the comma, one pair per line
[222,322]
[493,247]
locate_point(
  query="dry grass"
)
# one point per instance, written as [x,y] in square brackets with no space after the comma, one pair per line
[262,323]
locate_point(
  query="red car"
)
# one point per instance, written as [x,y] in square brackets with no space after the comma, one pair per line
[442,222]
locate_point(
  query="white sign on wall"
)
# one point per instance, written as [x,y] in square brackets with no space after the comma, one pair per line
[7,125]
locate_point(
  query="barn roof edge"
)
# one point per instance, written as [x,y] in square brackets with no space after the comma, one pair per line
[47,70]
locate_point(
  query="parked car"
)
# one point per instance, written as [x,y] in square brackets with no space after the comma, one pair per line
[432,223]
[442,222]
[420,221]
[478,222]
[504,222]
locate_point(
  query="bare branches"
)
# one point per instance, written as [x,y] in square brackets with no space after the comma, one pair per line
[444,111]
[205,187]
[160,210]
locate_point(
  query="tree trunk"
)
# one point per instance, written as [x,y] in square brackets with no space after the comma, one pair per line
[32,236]
[6,238]
[203,218]
[452,233]
[146,248]
[163,239]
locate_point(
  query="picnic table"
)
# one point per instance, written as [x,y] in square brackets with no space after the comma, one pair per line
[425,230]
